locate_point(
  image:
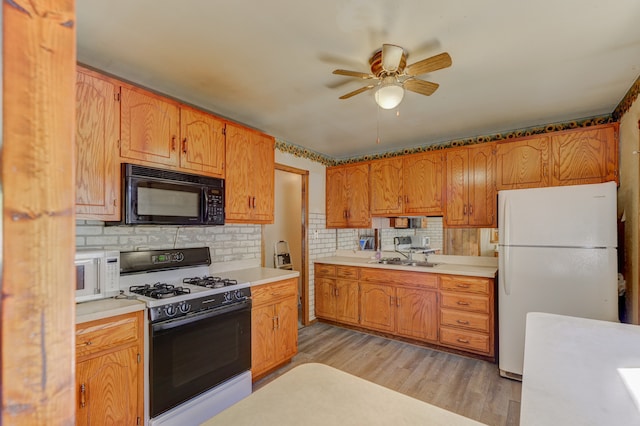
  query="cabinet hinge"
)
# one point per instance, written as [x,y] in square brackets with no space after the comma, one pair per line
[137,420]
[116,97]
[138,358]
[224,131]
[118,143]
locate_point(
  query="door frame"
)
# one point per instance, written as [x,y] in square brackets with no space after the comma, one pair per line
[304,231]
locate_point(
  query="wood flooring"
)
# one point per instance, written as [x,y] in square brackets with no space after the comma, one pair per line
[466,386]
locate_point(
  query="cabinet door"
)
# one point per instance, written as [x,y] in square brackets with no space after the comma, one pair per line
[377,306]
[107,389]
[325,305]
[97,134]
[357,193]
[523,163]
[263,324]
[585,156]
[457,208]
[335,201]
[422,182]
[149,131]
[346,301]
[482,189]
[417,313]
[249,176]
[386,186]
[286,335]
[263,170]
[202,142]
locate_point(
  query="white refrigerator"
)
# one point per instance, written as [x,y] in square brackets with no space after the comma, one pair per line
[557,254]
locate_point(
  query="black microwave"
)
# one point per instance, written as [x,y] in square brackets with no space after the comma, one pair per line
[163,197]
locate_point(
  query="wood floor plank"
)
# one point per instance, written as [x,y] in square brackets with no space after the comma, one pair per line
[466,386]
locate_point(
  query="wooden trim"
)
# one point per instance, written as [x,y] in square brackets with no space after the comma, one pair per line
[38,306]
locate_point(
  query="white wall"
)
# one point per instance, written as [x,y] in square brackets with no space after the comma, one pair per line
[628,195]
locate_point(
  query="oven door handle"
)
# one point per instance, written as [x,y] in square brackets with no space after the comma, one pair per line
[167,325]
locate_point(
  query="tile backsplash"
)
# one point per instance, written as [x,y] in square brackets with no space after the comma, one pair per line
[227,243]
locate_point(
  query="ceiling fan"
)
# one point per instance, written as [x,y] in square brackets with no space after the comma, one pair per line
[389,67]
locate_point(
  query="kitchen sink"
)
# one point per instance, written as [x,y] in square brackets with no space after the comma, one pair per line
[405,262]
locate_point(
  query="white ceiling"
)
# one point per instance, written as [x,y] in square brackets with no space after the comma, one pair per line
[268,64]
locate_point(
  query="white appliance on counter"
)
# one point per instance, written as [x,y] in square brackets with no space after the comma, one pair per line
[557,254]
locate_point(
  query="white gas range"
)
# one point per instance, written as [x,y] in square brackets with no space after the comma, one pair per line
[199,334]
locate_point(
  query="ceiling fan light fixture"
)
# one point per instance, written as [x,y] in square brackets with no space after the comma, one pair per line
[389,94]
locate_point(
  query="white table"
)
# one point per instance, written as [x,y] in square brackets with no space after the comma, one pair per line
[580,372]
[316,394]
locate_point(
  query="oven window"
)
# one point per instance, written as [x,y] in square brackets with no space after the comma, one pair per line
[190,359]
[166,202]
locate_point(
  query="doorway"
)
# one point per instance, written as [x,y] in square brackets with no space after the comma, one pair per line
[290,225]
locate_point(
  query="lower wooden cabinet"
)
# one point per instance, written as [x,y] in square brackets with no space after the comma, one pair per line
[444,310]
[274,325]
[467,313]
[109,371]
[336,294]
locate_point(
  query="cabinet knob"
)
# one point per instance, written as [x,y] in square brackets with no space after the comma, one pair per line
[88,343]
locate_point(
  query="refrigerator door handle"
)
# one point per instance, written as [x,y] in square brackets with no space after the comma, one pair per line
[506,223]
[504,261]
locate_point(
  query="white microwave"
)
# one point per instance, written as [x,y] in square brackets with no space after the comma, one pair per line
[97,274]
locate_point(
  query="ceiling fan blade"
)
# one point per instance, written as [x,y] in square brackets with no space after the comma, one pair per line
[391,57]
[433,63]
[420,86]
[357,92]
[362,75]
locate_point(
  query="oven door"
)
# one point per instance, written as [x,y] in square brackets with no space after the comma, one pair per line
[193,354]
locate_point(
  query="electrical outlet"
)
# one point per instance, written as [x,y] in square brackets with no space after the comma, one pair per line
[315,234]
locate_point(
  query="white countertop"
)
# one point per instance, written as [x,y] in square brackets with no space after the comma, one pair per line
[319,395]
[258,275]
[580,372]
[475,266]
[104,308]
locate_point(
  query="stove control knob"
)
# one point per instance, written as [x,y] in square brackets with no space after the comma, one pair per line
[228,296]
[184,307]
[238,295]
[170,310]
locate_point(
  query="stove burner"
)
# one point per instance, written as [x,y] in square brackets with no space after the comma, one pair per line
[159,290]
[210,282]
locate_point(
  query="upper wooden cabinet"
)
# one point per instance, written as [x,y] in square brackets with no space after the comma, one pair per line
[387,193]
[150,126]
[523,163]
[202,142]
[570,157]
[347,198]
[250,176]
[423,182]
[471,194]
[97,134]
[159,132]
[583,156]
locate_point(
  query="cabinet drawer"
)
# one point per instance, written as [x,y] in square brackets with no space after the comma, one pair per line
[95,336]
[465,284]
[325,270]
[467,340]
[267,293]
[467,302]
[386,276]
[350,272]
[467,320]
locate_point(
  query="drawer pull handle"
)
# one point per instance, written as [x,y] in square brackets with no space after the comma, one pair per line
[463,340]
[463,322]
[463,303]
[462,285]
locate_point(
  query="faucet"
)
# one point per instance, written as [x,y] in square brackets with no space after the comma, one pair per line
[409,257]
